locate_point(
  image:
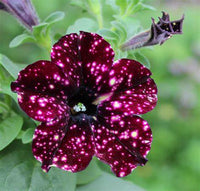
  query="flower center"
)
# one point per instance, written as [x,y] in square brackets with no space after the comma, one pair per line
[79,108]
[81,103]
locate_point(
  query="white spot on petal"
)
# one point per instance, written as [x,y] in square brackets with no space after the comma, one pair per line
[134,134]
[112,81]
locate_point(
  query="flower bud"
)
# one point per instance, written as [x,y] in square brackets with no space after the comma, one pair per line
[23,10]
[158,34]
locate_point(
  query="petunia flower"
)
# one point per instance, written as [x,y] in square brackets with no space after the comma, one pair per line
[23,10]
[88,106]
[161,31]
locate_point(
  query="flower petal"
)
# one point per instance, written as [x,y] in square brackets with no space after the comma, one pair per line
[123,148]
[46,140]
[41,107]
[77,149]
[65,54]
[97,58]
[139,100]
[42,77]
[87,56]
[127,73]
[132,132]
[124,75]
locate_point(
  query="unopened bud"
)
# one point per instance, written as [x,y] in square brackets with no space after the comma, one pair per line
[158,34]
[23,10]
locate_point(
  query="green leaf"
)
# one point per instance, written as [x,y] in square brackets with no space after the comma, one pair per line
[79,3]
[135,27]
[113,5]
[28,135]
[57,36]
[83,24]
[19,171]
[108,34]
[140,7]
[91,173]
[3,107]
[95,6]
[142,59]
[20,39]
[20,181]
[119,54]
[9,129]
[107,182]
[56,179]
[38,30]
[148,7]
[4,110]
[13,155]
[5,89]
[122,5]
[12,68]
[29,176]
[55,17]
[121,29]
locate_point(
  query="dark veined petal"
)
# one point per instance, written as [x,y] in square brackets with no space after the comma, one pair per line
[47,139]
[133,132]
[77,148]
[124,75]
[86,57]
[123,148]
[97,58]
[65,53]
[41,107]
[139,100]
[43,77]
[127,73]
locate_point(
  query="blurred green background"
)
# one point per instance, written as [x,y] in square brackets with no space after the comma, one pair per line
[174,160]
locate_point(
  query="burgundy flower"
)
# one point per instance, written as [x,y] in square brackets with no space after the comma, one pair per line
[88,106]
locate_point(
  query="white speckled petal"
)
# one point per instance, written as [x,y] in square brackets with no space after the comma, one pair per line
[77,148]
[97,58]
[42,107]
[66,54]
[138,100]
[125,74]
[47,138]
[132,131]
[123,148]
[43,77]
